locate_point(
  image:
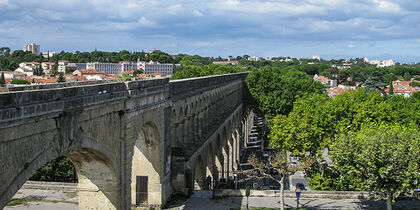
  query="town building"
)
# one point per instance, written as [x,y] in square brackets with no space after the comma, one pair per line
[386,63]
[403,88]
[325,80]
[107,68]
[32,47]
[226,62]
[254,58]
[48,54]
[380,64]
[118,68]
[334,91]
[316,57]
[47,65]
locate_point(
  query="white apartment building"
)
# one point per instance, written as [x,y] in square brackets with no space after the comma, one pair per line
[380,64]
[48,54]
[164,69]
[254,58]
[118,68]
[386,63]
[316,57]
[32,47]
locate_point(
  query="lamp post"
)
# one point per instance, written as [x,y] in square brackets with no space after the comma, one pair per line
[247,193]
[297,196]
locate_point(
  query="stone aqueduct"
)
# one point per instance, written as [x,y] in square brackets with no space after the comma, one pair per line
[131,142]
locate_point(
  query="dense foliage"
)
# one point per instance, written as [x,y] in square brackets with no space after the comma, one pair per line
[207,70]
[58,170]
[274,90]
[316,120]
[384,158]
[19,82]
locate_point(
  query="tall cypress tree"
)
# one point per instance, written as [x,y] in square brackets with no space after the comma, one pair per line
[391,89]
[2,80]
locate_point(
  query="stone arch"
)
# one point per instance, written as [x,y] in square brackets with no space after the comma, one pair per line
[147,162]
[199,175]
[98,179]
[210,166]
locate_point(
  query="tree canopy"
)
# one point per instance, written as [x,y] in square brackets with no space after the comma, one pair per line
[316,119]
[386,157]
[275,89]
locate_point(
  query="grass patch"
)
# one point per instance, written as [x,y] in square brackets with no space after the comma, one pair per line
[22,201]
[16,201]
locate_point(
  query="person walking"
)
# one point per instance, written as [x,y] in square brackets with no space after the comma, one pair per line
[208,182]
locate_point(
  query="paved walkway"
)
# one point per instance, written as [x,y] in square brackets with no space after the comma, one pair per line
[273,202]
[53,199]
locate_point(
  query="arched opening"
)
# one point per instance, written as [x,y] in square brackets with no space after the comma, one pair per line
[97,182]
[146,188]
[210,167]
[199,178]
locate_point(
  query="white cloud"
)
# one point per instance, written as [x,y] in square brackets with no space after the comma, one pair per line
[173,9]
[202,44]
[351,46]
[387,6]
[274,7]
[197,13]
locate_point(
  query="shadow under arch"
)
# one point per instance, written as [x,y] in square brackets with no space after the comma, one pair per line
[147,167]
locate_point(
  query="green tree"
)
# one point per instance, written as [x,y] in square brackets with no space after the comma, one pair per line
[58,170]
[281,163]
[407,76]
[374,82]
[2,80]
[275,89]
[61,78]
[40,70]
[386,157]
[391,89]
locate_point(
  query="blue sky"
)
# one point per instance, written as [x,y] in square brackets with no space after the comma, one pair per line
[299,28]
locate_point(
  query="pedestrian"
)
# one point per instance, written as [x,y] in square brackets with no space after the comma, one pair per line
[208,182]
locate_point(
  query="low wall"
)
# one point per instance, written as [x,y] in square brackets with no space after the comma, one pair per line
[63,186]
[288,193]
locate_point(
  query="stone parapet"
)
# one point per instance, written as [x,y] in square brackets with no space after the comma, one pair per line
[188,87]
